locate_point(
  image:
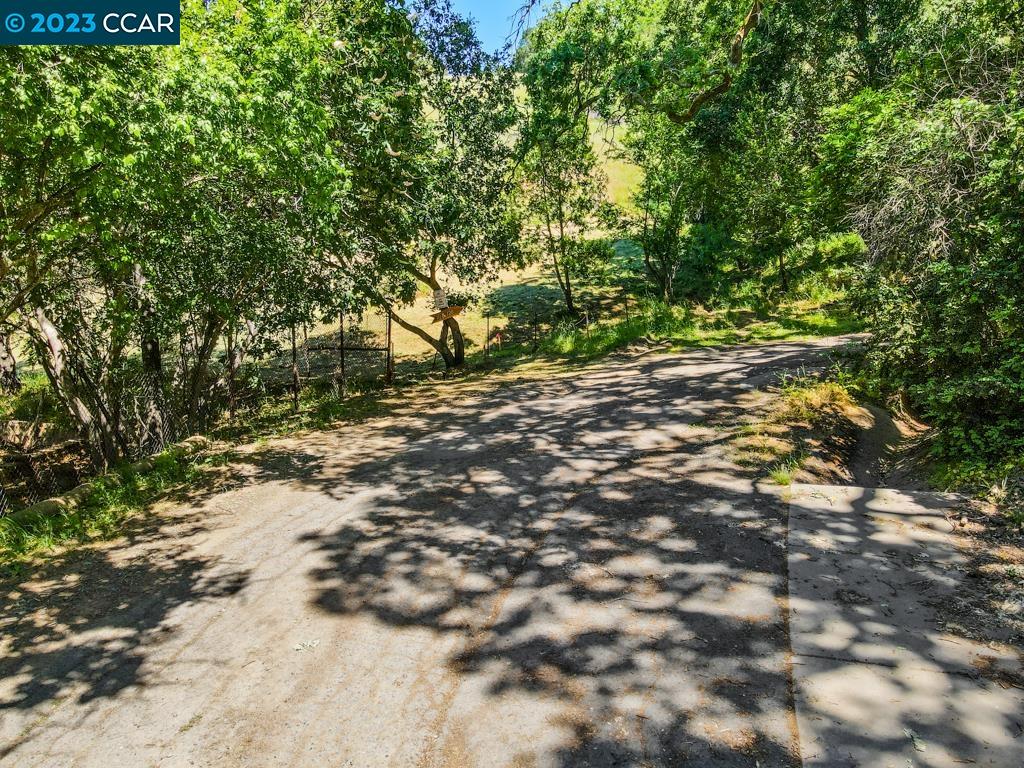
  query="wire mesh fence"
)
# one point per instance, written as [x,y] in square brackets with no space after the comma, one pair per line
[355,347]
[34,472]
[38,461]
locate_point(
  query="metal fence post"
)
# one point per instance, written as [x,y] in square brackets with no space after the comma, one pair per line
[295,372]
[536,329]
[389,375]
[341,351]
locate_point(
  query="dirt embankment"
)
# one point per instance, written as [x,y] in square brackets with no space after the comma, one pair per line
[816,433]
[813,431]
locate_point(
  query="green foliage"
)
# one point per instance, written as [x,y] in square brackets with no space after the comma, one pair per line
[784,472]
[563,185]
[290,159]
[651,319]
[460,216]
[931,169]
[103,514]
[35,400]
[899,120]
[679,327]
[157,203]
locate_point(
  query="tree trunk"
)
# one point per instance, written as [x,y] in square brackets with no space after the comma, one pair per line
[559,247]
[154,427]
[458,343]
[238,338]
[862,33]
[342,382]
[198,380]
[447,356]
[565,284]
[9,381]
[296,382]
[570,304]
[440,347]
[95,431]
[453,357]
[232,364]
[154,430]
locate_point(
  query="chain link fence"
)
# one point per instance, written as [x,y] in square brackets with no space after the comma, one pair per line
[33,469]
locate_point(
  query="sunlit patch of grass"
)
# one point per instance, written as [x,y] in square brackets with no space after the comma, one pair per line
[781,476]
[623,177]
[35,399]
[811,402]
[806,410]
[597,340]
[685,327]
[760,444]
[649,320]
[785,471]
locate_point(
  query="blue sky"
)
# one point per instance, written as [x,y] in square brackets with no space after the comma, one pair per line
[493,19]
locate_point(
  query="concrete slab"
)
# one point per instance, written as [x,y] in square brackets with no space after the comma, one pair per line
[879,681]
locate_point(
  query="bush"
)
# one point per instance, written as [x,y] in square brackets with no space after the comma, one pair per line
[932,173]
[652,319]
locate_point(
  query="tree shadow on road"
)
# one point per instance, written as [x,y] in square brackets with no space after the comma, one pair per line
[608,586]
[606,570]
[82,627]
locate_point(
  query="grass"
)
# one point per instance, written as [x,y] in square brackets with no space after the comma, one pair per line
[34,400]
[113,500]
[623,177]
[806,411]
[527,308]
[786,470]
[1006,492]
[811,402]
[682,327]
[1014,516]
[319,407]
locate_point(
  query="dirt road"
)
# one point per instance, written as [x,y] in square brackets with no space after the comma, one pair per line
[565,573]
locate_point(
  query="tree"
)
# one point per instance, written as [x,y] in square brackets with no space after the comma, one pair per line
[463,216]
[202,199]
[930,170]
[564,194]
[68,120]
[658,69]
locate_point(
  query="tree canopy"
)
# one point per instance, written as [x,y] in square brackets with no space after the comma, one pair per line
[290,160]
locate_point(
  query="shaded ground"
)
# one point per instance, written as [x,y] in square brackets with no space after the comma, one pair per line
[884,674]
[565,573]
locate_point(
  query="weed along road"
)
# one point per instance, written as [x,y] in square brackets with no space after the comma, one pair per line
[568,572]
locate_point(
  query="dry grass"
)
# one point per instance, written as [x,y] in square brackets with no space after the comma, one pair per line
[800,430]
[812,403]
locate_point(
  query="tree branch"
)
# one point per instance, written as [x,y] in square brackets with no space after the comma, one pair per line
[750,23]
